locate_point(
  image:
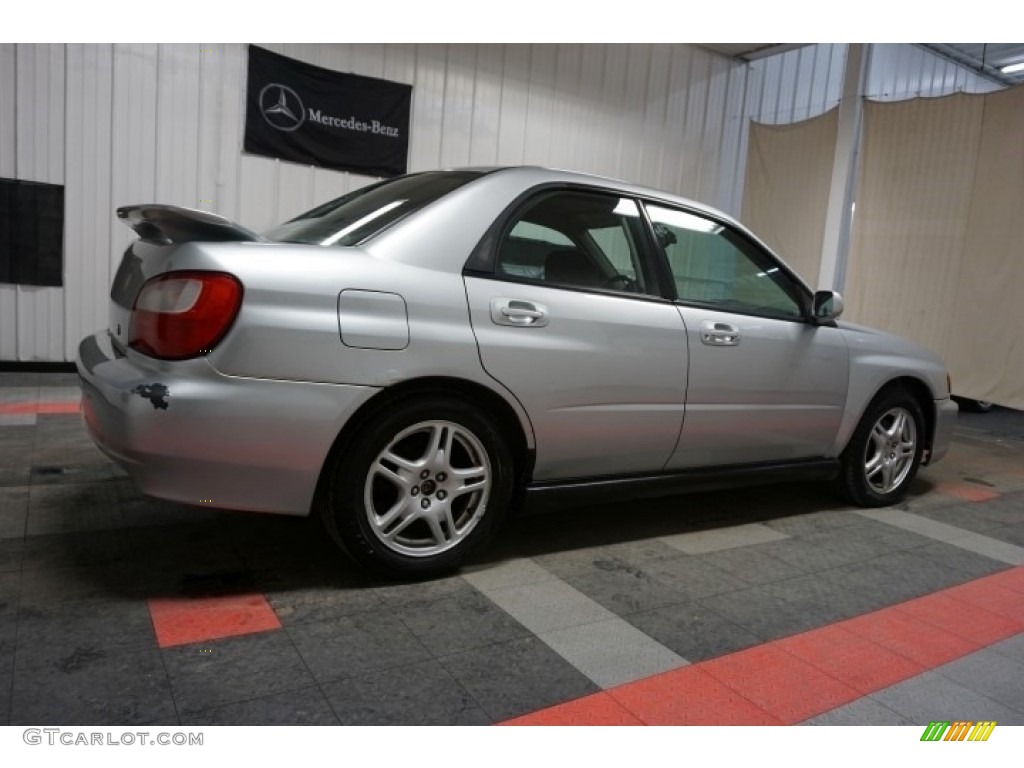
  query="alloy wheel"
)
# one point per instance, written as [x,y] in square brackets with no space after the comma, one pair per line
[428,489]
[891,450]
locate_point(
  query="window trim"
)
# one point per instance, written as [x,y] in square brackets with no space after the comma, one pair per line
[482,261]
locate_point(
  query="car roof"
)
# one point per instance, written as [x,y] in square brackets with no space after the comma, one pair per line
[535,174]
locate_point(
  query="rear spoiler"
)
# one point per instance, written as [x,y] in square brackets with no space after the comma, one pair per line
[167,224]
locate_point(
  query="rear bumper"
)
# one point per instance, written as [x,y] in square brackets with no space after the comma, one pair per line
[945,420]
[188,433]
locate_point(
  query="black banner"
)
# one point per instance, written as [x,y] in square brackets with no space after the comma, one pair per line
[31,233]
[307,114]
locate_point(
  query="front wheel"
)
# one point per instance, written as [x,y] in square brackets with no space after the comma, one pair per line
[884,453]
[420,488]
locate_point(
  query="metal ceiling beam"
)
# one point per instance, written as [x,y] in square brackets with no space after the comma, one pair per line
[969,62]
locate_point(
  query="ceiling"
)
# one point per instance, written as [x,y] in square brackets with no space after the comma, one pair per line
[983,58]
[750,51]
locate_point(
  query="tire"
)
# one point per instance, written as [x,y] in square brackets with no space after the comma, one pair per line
[884,453]
[404,513]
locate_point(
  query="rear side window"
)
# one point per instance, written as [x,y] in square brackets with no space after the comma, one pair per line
[577,239]
[359,215]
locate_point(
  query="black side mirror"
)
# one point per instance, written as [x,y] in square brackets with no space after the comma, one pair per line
[826,306]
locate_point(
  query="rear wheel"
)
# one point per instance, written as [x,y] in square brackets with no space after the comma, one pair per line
[420,488]
[885,451]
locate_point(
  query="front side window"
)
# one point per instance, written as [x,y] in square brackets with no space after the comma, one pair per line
[714,266]
[578,240]
[359,215]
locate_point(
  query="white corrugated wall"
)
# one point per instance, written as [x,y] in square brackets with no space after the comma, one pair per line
[120,124]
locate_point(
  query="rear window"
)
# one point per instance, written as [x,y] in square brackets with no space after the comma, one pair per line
[359,215]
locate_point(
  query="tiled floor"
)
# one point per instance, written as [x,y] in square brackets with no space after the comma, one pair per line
[774,605]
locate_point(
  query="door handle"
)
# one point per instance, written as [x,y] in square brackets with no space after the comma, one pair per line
[518,313]
[716,334]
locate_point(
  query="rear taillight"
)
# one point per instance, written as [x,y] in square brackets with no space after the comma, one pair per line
[184,314]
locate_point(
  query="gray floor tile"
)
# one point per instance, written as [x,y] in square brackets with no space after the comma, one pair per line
[13,511]
[970,564]
[624,589]
[1012,533]
[509,573]
[14,476]
[818,595]
[853,543]
[612,652]
[1011,647]
[919,575]
[103,688]
[642,552]
[12,552]
[990,674]
[16,388]
[8,631]
[860,712]
[961,517]
[751,565]
[548,605]
[693,630]
[809,556]
[455,624]
[313,592]
[800,525]
[10,587]
[419,694]
[17,419]
[299,606]
[16,445]
[84,548]
[42,587]
[574,561]
[235,669]
[356,645]
[883,538]
[931,696]
[758,611]
[70,474]
[64,635]
[5,696]
[303,707]
[514,678]
[73,507]
[421,593]
[693,577]
[869,582]
[727,537]
[975,542]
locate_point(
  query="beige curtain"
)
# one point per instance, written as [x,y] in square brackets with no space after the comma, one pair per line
[785,195]
[938,236]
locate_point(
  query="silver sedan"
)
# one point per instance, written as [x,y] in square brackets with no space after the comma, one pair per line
[416,359]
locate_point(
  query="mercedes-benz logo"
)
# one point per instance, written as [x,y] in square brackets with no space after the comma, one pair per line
[281,107]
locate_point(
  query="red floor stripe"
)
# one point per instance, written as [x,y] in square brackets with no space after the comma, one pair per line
[70,406]
[596,709]
[968,491]
[182,620]
[790,680]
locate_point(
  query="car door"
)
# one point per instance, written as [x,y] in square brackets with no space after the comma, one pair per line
[572,322]
[765,383]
